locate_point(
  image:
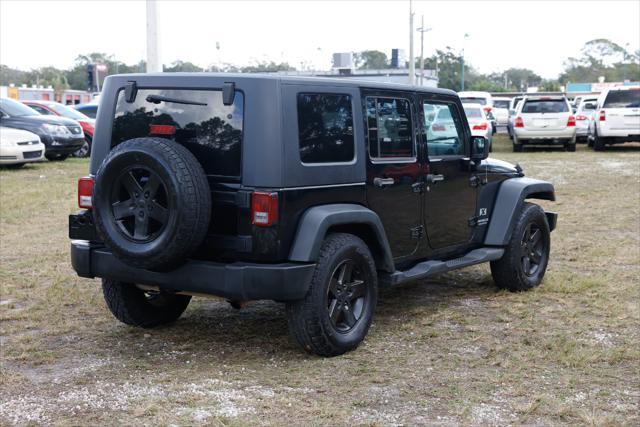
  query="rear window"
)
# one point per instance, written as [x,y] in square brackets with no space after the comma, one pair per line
[623,99]
[472,113]
[545,106]
[472,100]
[196,119]
[325,128]
[501,104]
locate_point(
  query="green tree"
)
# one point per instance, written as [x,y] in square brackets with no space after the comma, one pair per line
[181,66]
[602,57]
[371,60]
[266,67]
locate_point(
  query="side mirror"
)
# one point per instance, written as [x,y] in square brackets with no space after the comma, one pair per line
[479,148]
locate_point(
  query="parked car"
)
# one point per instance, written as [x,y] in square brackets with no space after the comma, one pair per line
[19,147]
[500,110]
[575,103]
[617,118]
[61,136]
[484,99]
[479,124]
[257,187]
[89,110]
[544,120]
[584,113]
[57,109]
[513,106]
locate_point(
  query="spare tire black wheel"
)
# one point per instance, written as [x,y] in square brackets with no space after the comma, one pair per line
[151,203]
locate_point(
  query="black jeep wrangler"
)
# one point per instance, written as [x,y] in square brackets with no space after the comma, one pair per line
[312,192]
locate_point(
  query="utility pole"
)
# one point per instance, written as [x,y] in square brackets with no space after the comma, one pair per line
[412,65]
[154,65]
[422,30]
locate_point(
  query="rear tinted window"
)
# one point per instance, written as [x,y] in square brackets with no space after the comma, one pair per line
[211,130]
[471,100]
[389,126]
[545,106]
[325,128]
[623,99]
[501,104]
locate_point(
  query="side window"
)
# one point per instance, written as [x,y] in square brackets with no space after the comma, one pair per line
[444,133]
[41,110]
[325,128]
[389,128]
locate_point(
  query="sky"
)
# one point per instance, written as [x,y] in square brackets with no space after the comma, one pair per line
[538,35]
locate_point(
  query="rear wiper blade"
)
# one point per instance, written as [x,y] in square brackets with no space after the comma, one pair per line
[157,99]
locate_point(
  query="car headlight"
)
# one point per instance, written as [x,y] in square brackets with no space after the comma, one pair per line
[56,130]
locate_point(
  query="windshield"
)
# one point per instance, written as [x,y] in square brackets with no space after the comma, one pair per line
[501,104]
[15,108]
[545,106]
[473,113]
[65,111]
[472,100]
[623,99]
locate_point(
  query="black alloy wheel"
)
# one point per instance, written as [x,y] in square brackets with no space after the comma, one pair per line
[532,249]
[139,204]
[346,296]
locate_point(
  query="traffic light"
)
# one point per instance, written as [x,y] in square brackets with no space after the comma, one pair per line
[90,77]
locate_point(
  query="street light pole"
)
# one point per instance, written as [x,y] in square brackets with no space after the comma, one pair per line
[466,36]
[154,65]
[422,30]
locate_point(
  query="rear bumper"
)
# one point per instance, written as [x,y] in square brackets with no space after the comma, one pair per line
[235,281]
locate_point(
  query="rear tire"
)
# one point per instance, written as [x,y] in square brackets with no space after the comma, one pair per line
[133,306]
[598,142]
[526,256]
[336,313]
[570,147]
[517,148]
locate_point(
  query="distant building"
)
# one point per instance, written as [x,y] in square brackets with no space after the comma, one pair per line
[42,93]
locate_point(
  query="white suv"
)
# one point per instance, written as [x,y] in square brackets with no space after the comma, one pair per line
[617,118]
[501,110]
[584,114]
[544,120]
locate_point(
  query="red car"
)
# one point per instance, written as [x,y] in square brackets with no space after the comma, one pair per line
[57,109]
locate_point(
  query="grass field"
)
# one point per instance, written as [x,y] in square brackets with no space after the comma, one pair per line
[449,350]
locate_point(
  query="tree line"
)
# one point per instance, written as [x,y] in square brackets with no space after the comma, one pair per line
[599,57]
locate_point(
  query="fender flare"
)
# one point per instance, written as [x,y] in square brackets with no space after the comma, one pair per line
[509,201]
[316,221]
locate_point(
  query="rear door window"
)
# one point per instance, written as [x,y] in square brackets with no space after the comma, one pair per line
[325,128]
[545,106]
[196,119]
[390,128]
[623,99]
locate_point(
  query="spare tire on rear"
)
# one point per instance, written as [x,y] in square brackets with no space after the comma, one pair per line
[151,203]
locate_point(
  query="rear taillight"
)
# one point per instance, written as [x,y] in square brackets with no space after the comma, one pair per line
[603,116]
[85,192]
[518,122]
[571,121]
[482,126]
[487,109]
[580,117]
[437,128]
[264,209]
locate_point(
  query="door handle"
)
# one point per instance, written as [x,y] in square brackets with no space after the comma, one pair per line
[432,178]
[381,182]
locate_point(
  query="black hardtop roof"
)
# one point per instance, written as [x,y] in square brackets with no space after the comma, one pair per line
[316,81]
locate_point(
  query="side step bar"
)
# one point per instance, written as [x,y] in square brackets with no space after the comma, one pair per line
[432,267]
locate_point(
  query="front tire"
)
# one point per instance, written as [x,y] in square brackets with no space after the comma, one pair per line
[525,259]
[335,315]
[133,306]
